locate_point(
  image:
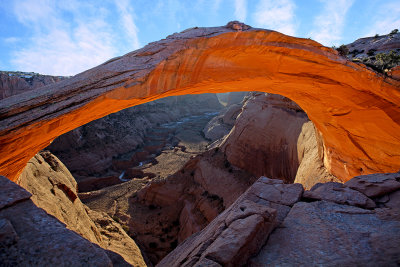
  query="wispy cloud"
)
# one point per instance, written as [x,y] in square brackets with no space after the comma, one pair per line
[276,15]
[241,10]
[387,18]
[126,11]
[69,38]
[329,24]
[11,40]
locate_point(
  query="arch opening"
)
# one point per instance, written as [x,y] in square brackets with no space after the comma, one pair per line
[355,110]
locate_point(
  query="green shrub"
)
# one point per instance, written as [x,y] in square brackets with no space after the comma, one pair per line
[371,52]
[387,61]
[394,31]
[343,50]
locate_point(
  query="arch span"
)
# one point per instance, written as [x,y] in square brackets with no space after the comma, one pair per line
[356,110]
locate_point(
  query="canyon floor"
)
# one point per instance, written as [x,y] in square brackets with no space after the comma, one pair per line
[184,139]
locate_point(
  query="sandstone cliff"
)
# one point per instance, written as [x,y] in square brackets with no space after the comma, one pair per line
[31,237]
[273,136]
[14,83]
[55,190]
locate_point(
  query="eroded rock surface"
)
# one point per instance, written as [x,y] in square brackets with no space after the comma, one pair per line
[29,236]
[273,137]
[327,232]
[167,211]
[14,83]
[92,150]
[230,239]
[339,96]
[55,190]
[375,185]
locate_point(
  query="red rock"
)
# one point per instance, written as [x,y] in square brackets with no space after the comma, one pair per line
[339,96]
[264,139]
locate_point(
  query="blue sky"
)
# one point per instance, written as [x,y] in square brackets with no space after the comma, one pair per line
[65,37]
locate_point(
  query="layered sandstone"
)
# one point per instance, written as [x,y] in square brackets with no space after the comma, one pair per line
[165,212]
[14,83]
[341,226]
[55,190]
[29,236]
[92,149]
[273,136]
[355,109]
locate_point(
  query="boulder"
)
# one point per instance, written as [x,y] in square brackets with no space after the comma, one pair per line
[229,240]
[375,185]
[339,193]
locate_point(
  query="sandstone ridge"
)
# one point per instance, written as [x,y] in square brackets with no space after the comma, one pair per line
[355,109]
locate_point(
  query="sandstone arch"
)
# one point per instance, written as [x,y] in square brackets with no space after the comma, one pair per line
[356,110]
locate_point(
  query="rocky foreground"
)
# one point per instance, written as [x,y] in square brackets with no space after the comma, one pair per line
[271,224]
[277,224]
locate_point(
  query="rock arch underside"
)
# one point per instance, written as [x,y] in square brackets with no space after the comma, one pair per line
[356,110]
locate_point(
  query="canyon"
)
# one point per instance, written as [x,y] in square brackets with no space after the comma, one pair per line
[182,181]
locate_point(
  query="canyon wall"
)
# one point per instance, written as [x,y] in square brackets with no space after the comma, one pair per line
[90,149]
[273,137]
[14,83]
[355,109]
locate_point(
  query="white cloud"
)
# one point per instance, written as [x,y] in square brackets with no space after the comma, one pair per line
[329,24]
[241,10]
[128,22]
[11,40]
[387,19]
[69,38]
[277,15]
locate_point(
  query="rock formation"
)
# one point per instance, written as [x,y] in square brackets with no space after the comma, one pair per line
[54,190]
[274,137]
[167,211]
[29,236]
[14,83]
[272,225]
[355,109]
[221,125]
[91,148]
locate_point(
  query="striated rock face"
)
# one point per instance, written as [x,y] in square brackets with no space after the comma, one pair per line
[310,151]
[54,190]
[91,148]
[273,137]
[355,109]
[166,212]
[264,139]
[14,83]
[232,237]
[330,230]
